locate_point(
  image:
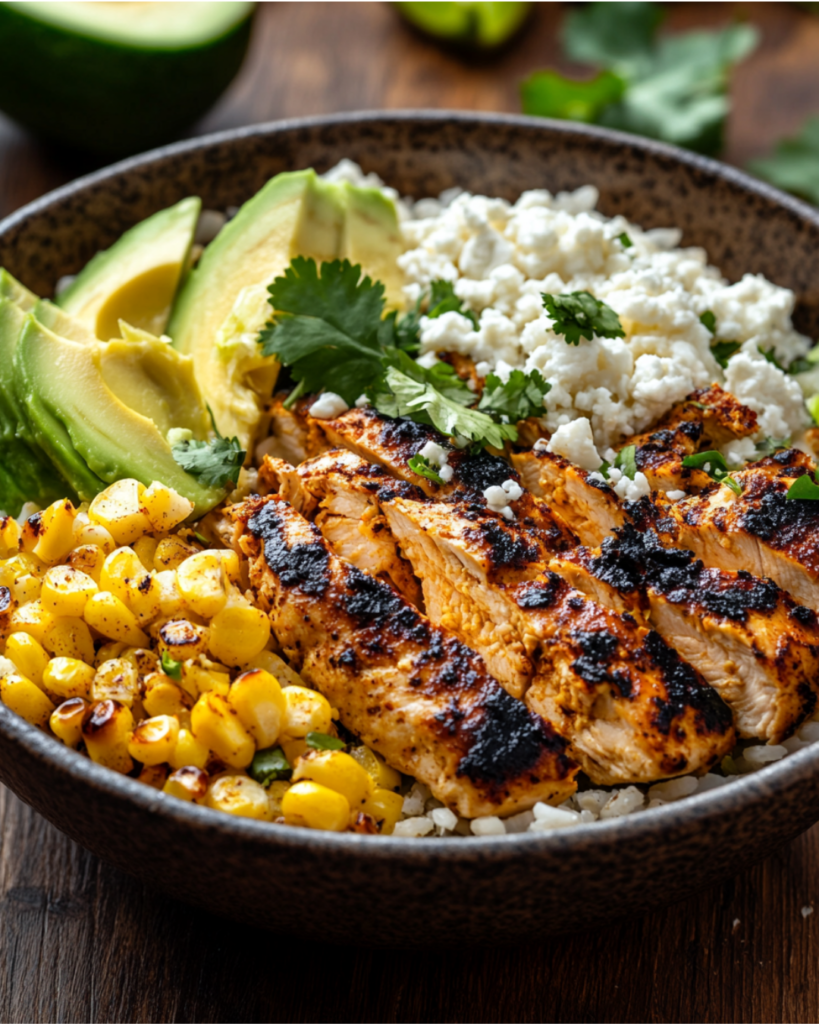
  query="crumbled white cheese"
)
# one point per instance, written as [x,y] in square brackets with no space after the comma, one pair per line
[737,453]
[328,405]
[499,497]
[574,442]
[438,457]
[675,495]
[624,487]
[361,401]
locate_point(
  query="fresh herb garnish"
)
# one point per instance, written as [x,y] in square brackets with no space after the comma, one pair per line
[550,94]
[518,398]
[321,741]
[713,463]
[171,667]
[269,765]
[626,461]
[579,315]
[804,488]
[709,321]
[214,463]
[625,241]
[698,405]
[442,299]
[423,467]
[769,445]
[723,350]
[770,356]
[792,165]
[200,538]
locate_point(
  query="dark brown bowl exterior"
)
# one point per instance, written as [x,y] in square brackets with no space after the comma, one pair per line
[387,890]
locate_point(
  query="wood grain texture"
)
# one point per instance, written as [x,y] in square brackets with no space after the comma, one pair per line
[80,942]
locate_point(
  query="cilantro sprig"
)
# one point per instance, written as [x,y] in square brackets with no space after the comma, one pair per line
[421,465]
[518,398]
[625,461]
[721,350]
[804,488]
[713,463]
[442,299]
[269,765]
[768,445]
[792,165]
[171,667]
[579,315]
[214,463]
[321,741]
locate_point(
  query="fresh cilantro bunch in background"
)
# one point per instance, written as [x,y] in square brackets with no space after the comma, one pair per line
[794,164]
[442,299]
[672,88]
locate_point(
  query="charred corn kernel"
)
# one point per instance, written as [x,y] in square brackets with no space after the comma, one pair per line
[26,588]
[275,794]
[338,771]
[90,534]
[118,568]
[293,749]
[28,655]
[106,730]
[118,509]
[171,552]
[257,699]
[67,677]
[25,698]
[315,806]
[382,775]
[385,807]
[188,782]
[20,565]
[171,601]
[238,633]
[143,660]
[55,532]
[87,558]
[154,740]
[163,697]
[202,584]
[273,664]
[143,598]
[154,775]
[182,639]
[109,651]
[66,721]
[164,507]
[197,680]
[9,537]
[66,590]
[109,616]
[240,795]
[305,711]
[189,752]
[215,724]
[145,549]
[70,638]
[116,680]
[7,605]
[33,619]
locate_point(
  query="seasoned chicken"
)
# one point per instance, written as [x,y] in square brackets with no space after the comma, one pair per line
[293,437]
[407,688]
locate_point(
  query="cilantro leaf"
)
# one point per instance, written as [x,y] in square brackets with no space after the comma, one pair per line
[268,765]
[214,463]
[709,321]
[614,35]
[803,488]
[793,164]
[723,350]
[321,741]
[713,463]
[423,467]
[170,667]
[769,445]
[519,398]
[550,94]
[443,299]
[624,240]
[770,356]
[579,315]
[626,461]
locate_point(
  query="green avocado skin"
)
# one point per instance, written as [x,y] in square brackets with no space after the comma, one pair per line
[105,97]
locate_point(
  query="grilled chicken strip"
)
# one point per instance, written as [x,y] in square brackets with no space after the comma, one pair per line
[293,437]
[409,689]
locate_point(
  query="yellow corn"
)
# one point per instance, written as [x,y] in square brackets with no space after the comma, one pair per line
[305,711]
[66,721]
[9,537]
[277,667]
[106,730]
[232,567]
[118,509]
[216,725]
[337,771]
[293,749]
[116,680]
[143,598]
[200,578]
[164,697]
[25,698]
[275,794]
[154,775]
[154,740]
[238,633]
[315,806]
[56,532]
[385,807]
[67,677]
[109,651]
[189,752]
[119,567]
[90,534]
[65,591]
[7,605]
[197,680]
[19,565]
[257,699]
[171,552]
[143,660]
[171,601]
[240,795]
[109,616]
[188,782]
[164,507]
[87,558]
[27,587]
[182,639]
[145,549]
[380,772]
[70,638]
[33,619]
[30,657]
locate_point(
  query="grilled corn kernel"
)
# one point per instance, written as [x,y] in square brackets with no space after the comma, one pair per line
[25,698]
[9,537]
[20,565]
[385,807]
[273,664]
[189,752]
[182,639]
[197,680]
[116,680]
[70,638]
[164,507]
[154,775]
[109,651]
[164,697]
[240,795]
[315,806]
[26,588]
[338,771]
[118,509]
[143,598]
[238,633]
[67,677]
[145,549]
[120,566]
[143,660]
[306,711]
[293,749]
[33,619]
[231,567]
[258,700]
[171,601]
[66,591]
[55,532]
[380,772]
[171,552]
[90,534]
[201,580]
[66,721]
[106,730]
[188,782]
[29,656]
[275,794]
[87,558]
[7,605]
[215,724]
[154,740]
[109,616]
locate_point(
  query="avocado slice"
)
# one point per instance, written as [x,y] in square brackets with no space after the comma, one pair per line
[46,312]
[372,238]
[10,288]
[76,409]
[137,278]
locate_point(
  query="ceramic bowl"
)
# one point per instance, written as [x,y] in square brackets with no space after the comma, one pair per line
[390,890]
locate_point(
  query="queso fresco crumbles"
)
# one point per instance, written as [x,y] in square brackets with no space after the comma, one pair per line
[448,516]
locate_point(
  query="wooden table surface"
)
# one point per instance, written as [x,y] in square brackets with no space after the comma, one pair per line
[81,942]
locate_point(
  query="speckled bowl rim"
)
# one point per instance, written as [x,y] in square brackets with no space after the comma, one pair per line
[743,792]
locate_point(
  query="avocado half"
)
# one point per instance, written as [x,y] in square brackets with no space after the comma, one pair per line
[117,78]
